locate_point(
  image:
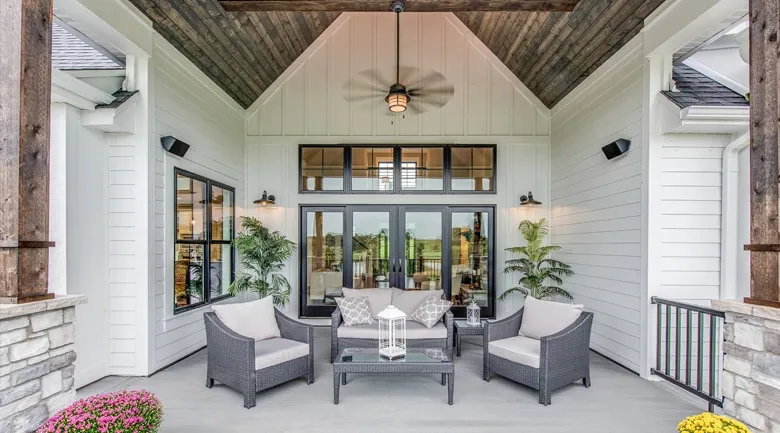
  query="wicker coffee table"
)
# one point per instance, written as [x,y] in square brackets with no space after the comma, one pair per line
[462,328]
[417,361]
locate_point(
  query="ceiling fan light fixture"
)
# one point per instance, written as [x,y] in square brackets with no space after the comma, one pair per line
[397,102]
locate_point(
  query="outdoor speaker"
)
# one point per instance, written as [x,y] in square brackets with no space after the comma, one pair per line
[616,148]
[174,145]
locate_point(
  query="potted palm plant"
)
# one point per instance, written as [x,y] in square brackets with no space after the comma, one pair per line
[542,275]
[263,255]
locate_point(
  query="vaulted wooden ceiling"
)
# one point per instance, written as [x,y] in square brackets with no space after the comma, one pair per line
[551,52]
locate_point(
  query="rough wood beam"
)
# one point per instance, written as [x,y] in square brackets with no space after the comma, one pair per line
[25,104]
[764,230]
[412,5]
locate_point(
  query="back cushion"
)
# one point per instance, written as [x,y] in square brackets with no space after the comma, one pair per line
[256,319]
[378,299]
[408,300]
[543,318]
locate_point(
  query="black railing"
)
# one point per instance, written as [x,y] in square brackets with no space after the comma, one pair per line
[675,341]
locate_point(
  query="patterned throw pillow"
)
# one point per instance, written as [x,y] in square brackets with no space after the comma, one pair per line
[431,310]
[355,311]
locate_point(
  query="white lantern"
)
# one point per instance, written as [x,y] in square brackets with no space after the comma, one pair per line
[472,313]
[392,333]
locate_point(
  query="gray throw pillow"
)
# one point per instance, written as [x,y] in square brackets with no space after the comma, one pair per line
[355,311]
[431,311]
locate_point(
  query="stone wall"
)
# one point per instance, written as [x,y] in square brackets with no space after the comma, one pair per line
[37,352]
[751,365]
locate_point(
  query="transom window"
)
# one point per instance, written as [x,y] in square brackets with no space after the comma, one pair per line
[443,169]
[204,255]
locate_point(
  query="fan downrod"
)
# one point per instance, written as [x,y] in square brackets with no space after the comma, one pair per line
[398,6]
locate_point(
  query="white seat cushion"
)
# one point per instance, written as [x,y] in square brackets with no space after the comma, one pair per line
[256,319]
[408,300]
[378,299]
[414,331]
[543,318]
[520,350]
[278,350]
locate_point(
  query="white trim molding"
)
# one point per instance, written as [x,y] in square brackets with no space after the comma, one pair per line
[72,91]
[729,244]
[703,120]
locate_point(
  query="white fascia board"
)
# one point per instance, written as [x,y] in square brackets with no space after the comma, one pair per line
[117,120]
[704,120]
[70,90]
[96,73]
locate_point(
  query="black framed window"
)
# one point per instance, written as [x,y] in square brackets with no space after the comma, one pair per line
[399,169]
[204,255]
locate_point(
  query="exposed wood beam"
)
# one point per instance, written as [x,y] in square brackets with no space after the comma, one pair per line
[764,230]
[411,5]
[25,104]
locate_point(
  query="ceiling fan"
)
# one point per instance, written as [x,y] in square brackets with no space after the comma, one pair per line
[432,90]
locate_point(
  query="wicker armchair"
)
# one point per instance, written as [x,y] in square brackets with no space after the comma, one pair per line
[564,357]
[232,358]
[337,344]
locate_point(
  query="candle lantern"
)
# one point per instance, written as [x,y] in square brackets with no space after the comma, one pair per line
[472,313]
[392,333]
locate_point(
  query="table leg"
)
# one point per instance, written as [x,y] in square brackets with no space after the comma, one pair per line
[458,343]
[450,387]
[336,382]
[343,378]
[443,379]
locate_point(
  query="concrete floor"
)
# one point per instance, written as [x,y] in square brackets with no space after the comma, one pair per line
[618,401]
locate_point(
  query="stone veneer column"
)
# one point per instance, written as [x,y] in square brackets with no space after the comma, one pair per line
[751,365]
[37,352]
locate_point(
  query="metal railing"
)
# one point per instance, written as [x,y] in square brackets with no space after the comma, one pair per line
[696,371]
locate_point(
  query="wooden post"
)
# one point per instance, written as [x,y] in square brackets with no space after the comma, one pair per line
[25,104]
[765,232]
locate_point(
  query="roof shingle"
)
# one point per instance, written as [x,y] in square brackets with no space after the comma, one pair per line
[696,89]
[69,53]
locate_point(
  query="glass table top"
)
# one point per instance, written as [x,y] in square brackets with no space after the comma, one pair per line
[412,355]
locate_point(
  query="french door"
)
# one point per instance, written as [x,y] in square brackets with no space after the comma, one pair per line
[412,247]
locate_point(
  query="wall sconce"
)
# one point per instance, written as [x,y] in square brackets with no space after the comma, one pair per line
[266,200]
[528,200]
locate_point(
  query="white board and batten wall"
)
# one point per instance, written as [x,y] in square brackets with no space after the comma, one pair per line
[310,104]
[192,108]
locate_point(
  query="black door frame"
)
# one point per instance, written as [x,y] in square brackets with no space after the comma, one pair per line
[397,215]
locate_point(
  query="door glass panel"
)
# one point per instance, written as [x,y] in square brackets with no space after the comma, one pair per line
[470,270]
[472,169]
[372,169]
[422,251]
[190,208]
[422,169]
[370,249]
[325,257]
[322,168]
[188,275]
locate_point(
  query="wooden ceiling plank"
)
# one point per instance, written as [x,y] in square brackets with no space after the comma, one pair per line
[516,24]
[557,30]
[497,34]
[412,6]
[525,26]
[268,41]
[181,13]
[300,27]
[281,38]
[598,12]
[527,42]
[618,12]
[246,34]
[165,26]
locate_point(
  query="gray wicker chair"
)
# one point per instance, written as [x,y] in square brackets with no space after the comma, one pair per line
[337,344]
[231,358]
[564,357]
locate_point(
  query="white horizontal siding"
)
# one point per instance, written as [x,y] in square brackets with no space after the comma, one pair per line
[596,203]
[191,108]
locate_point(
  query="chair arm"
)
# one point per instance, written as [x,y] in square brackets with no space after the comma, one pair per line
[335,322]
[568,347]
[227,347]
[294,330]
[504,328]
[449,323]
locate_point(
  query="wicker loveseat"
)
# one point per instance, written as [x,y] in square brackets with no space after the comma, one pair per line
[545,364]
[440,336]
[250,366]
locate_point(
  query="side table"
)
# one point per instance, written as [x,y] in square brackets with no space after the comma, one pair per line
[462,328]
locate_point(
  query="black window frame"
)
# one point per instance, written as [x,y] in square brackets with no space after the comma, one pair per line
[397,169]
[206,243]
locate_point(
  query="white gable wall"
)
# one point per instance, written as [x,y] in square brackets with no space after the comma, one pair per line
[307,105]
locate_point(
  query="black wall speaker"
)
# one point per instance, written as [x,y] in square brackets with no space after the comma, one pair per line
[174,145]
[616,148]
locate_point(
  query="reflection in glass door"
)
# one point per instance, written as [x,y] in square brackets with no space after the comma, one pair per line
[323,267]
[371,250]
[422,253]
[470,257]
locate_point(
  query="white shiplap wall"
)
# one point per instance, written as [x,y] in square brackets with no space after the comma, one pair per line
[192,108]
[690,216]
[596,204]
[307,106]
[310,98]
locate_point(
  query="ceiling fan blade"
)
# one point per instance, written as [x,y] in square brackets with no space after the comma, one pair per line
[361,98]
[364,85]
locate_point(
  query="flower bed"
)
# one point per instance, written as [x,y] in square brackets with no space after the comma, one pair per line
[710,423]
[118,412]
